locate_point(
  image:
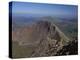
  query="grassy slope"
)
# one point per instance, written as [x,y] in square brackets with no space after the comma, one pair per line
[20,51]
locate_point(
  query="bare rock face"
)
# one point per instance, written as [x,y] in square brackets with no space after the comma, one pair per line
[45,38]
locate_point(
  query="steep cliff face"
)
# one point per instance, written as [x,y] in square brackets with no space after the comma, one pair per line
[45,38]
[52,39]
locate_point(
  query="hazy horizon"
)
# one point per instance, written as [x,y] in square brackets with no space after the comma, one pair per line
[39,10]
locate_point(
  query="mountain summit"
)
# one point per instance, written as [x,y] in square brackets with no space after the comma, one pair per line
[43,37]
